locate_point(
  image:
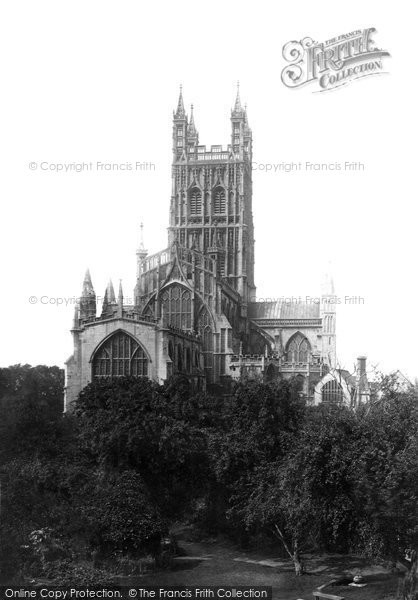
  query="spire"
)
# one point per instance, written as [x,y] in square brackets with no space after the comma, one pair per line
[88,289]
[192,134]
[110,291]
[247,130]
[109,300]
[238,110]
[120,299]
[88,299]
[141,252]
[191,130]
[180,112]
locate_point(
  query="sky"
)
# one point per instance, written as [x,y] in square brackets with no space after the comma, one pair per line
[96,82]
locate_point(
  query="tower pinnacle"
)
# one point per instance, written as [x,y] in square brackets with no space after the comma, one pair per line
[141,252]
[88,289]
[111,292]
[238,110]
[180,112]
[88,298]
[120,299]
[192,134]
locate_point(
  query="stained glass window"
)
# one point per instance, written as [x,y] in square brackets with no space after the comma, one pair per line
[298,349]
[120,355]
[176,307]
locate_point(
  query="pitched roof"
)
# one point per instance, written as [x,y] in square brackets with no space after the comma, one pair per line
[279,309]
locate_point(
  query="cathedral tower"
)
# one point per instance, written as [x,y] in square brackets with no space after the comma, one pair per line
[211,201]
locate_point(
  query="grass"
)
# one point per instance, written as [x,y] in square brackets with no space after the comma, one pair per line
[214,565]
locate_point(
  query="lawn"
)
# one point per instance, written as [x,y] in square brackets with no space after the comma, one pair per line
[216,563]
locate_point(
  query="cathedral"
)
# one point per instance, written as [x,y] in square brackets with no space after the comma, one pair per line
[195,307]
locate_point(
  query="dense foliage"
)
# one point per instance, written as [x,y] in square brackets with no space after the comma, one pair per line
[134,457]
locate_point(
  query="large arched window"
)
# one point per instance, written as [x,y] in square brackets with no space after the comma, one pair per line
[176,307]
[332,392]
[195,201]
[298,349]
[120,355]
[218,201]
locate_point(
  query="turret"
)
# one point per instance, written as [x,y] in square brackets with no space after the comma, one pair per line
[192,133]
[179,127]
[238,122]
[120,300]
[109,300]
[87,299]
[328,316]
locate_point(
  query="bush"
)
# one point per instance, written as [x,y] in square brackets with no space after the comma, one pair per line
[64,573]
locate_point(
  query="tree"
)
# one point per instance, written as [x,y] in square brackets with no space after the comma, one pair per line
[130,423]
[31,406]
[304,498]
[259,424]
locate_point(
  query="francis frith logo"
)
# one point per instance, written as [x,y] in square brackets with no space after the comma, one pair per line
[333,63]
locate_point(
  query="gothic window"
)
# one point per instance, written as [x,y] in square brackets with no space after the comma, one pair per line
[119,356]
[195,201]
[298,349]
[304,351]
[332,392]
[219,201]
[176,307]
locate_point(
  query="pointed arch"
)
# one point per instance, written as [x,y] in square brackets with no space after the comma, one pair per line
[332,388]
[176,306]
[218,201]
[195,201]
[120,355]
[298,349]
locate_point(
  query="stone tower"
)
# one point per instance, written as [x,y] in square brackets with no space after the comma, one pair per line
[211,200]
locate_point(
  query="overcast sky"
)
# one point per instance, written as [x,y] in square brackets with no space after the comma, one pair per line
[97,81]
